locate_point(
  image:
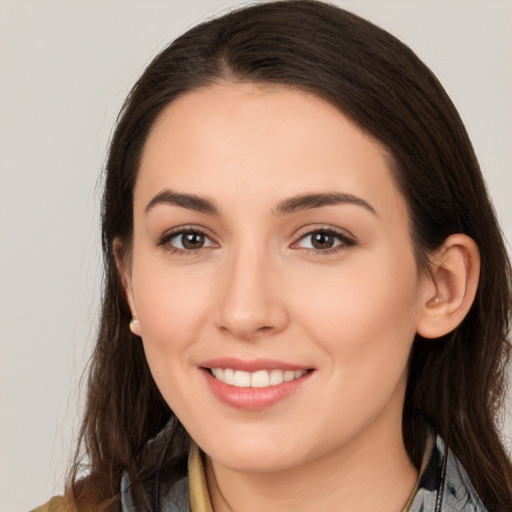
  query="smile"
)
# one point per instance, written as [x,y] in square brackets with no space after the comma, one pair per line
[258,379]
[257,386]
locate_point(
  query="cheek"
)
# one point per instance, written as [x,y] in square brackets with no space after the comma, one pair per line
[171,306]
[364,316]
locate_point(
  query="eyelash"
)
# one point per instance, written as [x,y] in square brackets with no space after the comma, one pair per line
[344,240]
[166,239]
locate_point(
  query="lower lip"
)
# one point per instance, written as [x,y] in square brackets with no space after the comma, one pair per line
[253,399]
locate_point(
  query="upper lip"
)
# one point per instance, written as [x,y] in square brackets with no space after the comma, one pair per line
[253,365]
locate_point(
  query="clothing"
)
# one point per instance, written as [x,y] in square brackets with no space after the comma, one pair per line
[191,488]
[443,486]
[56,504]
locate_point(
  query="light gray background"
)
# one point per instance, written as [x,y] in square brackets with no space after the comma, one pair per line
[65,67]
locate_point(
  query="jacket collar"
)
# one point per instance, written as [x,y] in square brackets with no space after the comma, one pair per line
[443,486]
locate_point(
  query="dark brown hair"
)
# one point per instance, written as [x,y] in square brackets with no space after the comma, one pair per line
[455,384]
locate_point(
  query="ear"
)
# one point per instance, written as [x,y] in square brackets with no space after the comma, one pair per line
[447,298]
[124,269]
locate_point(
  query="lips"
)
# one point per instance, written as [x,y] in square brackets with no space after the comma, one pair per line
[253,385]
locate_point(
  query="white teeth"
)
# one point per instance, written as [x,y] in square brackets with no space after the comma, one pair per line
[276,377]
[259,379]
[229,376]
[242,379]
[289,375]
[218,373]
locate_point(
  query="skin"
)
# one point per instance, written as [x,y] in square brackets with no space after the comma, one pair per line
[258,288]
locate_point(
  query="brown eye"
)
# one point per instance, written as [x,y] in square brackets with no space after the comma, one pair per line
[184,241]
[323,240]
[192,240]
[320,240]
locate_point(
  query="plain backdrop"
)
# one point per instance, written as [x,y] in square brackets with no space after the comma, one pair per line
[65,67]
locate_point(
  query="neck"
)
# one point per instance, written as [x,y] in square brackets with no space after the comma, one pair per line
[369,473]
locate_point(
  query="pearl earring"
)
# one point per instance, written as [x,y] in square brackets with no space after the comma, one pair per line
[133,324]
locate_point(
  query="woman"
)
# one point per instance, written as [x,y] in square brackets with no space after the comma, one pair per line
[307,293]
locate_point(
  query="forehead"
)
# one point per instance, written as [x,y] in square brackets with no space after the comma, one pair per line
[251,141]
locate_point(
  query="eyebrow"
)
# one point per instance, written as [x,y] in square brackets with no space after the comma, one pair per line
[293,204]
[310,201]
[189,201]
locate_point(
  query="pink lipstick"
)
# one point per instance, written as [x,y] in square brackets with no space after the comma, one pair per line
[253,385]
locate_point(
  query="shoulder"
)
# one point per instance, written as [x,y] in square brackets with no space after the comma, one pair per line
[87,501]
[56,504]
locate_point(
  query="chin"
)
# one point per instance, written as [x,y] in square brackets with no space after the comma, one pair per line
[253,455]
[257,461]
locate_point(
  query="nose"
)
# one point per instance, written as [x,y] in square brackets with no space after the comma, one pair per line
[251,304]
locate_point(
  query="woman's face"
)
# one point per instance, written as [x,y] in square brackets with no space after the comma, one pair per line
[273,276]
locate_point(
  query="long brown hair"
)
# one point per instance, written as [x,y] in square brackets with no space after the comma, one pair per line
[456,384]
